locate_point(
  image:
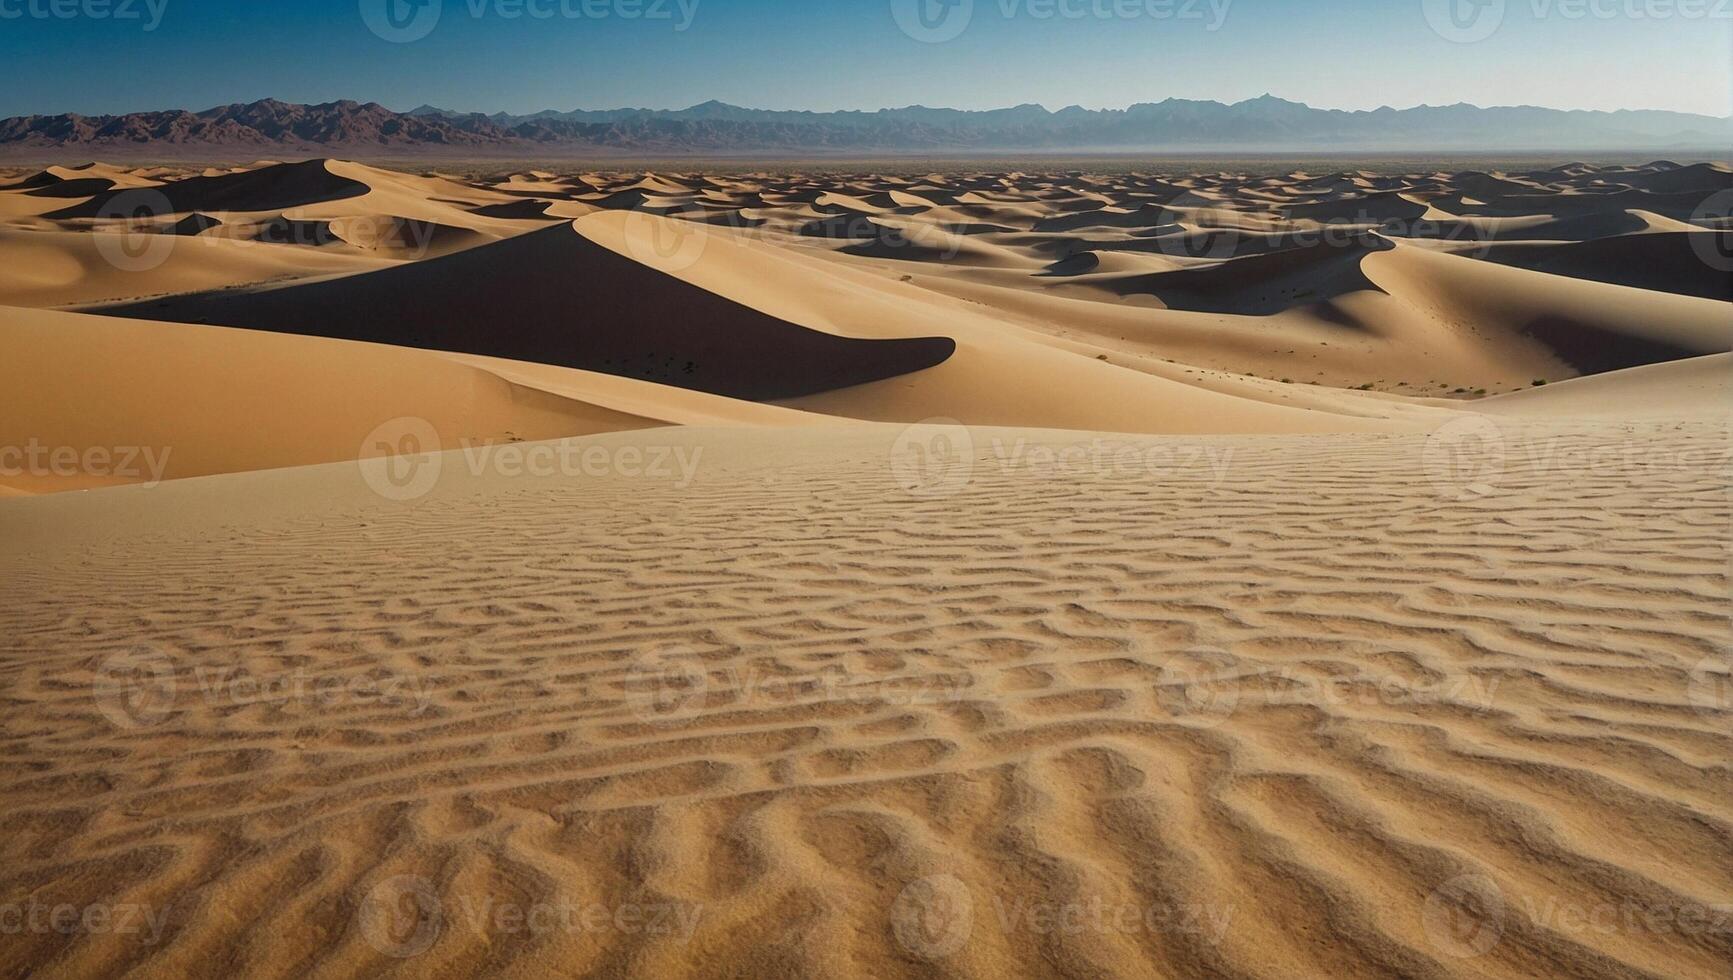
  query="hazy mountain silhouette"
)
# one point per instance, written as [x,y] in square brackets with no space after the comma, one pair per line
[1265,123]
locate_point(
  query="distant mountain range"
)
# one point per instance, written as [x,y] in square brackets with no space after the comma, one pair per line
[1255,125]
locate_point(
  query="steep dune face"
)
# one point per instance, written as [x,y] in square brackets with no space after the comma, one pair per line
[557,297]
[187,401]
[83,268]
[1697,388]
[1665,261]
[1001,373]
[1258,285]
[1589,326]
[268,189]
[179,394]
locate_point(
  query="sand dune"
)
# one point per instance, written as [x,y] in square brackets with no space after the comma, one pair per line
[1589,326]
[1667,262]
[557,297]
[1138,299]
[68,268]
[1698,388]
[197,400]
[965,574]
[352,215]
[1173,303]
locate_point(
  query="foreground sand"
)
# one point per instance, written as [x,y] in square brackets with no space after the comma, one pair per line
[1270,706]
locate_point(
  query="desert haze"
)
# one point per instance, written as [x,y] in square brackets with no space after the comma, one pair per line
[717,128]
[793,572]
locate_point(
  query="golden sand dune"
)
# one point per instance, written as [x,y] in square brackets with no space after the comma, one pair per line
[666,575]
[1141,303]
[191,401]
[102,235]
[75,268]
[557,297]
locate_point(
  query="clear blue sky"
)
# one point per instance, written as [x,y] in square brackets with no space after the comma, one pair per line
[831,54]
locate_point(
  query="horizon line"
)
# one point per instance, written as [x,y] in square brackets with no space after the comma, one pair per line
[1266,97]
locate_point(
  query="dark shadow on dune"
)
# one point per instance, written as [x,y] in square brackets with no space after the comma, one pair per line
[555,297]
[80,187]
[1264,284]
[1147,216]
[284,185]
[1373,209]
[1678,205]
[196,223]
[516,210]
[1079,264]
[1593,351]
[1667,262]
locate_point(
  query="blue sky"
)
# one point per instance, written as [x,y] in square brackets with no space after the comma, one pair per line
[831,54]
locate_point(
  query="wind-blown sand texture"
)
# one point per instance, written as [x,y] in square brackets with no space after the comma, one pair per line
[975,600]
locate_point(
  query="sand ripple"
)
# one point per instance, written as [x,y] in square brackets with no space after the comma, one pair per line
[1320,719]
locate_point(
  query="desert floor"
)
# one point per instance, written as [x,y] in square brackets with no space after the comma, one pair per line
[978,574]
